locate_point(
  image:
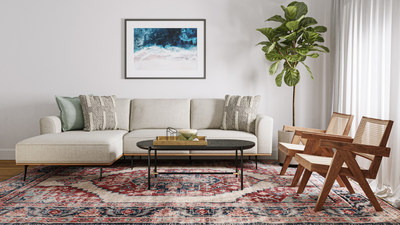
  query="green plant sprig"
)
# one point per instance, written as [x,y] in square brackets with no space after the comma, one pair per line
[292,41]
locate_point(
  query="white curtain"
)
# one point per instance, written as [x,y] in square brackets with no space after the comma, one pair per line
[366,75]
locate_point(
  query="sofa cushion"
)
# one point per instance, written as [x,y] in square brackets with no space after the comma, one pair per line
[226,134]
[240,113]
[122,109]
[99,112]
[71,147]
[135,136]
[70,113]
[206,113]
[160,113]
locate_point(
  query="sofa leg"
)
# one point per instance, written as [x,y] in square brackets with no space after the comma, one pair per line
[256,162]
[190,158]
[124,157]
[25,170]
[132,162]
[101,173]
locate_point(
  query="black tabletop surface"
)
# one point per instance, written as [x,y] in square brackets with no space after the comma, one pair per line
[212,144]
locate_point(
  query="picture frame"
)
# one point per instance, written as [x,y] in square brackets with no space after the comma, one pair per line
[165,48]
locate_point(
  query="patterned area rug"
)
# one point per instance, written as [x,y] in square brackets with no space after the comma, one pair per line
[76,195]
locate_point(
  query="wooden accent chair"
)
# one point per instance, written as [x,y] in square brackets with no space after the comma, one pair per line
[340,125]
[369,142]
[313,148]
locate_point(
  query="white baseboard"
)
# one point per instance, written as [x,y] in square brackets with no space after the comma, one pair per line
[7,154]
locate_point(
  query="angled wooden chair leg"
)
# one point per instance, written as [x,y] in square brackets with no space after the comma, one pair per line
[359,176]
[304,181]
[286,164]
[324,192]
[346,183]
[370,194]
[331,176]
[340,182]
[297,176]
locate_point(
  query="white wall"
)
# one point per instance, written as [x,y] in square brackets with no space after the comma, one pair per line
[54,47]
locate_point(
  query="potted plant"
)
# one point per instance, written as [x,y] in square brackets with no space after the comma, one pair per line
[290,43]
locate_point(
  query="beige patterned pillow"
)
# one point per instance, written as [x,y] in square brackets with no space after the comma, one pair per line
[240,113]
[99,112]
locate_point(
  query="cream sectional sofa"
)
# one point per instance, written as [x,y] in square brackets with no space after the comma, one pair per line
[138,119]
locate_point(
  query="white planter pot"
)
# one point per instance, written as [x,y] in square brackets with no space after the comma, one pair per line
[286,137]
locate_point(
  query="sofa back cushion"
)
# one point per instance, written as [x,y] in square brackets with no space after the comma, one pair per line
[159,113]
[206,113]
[122,109]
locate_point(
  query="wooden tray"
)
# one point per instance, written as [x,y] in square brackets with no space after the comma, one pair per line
[163,140]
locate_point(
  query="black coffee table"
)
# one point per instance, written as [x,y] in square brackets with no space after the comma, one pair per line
[212,145]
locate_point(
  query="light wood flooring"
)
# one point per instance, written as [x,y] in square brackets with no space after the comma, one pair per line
[9,169]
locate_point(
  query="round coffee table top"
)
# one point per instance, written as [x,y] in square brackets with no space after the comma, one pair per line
[212,144]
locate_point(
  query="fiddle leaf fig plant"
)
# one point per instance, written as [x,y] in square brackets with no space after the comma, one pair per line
[290,43]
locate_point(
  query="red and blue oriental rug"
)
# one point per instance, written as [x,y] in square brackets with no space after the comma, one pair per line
[72,195]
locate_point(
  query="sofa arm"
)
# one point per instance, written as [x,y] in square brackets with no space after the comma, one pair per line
[264,128]
[50,125]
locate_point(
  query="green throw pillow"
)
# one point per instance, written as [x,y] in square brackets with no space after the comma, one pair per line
[70,113]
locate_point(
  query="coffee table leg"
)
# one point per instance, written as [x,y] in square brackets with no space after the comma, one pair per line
[236,163]
[256,163]
[148,169]
[241,168]
[155,163]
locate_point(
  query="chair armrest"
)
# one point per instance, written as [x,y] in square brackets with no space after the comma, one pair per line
[50,125]
[300,132]
[300,129]
[332,137]
[356,148]
[264,133]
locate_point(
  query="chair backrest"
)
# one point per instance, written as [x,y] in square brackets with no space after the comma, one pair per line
[374,132]
[340,124]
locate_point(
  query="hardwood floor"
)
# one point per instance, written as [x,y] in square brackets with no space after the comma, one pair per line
[9,169]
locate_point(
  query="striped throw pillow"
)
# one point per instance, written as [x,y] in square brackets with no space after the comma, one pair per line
[240,113]
[99,112]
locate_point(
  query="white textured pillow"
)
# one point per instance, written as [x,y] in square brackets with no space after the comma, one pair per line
[99,112]
[240,113]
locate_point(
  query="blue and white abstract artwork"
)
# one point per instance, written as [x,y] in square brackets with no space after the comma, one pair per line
[165,49]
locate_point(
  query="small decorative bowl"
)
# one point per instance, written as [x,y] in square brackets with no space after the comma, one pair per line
[188,133]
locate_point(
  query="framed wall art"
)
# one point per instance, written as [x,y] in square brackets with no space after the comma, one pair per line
[165,48]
